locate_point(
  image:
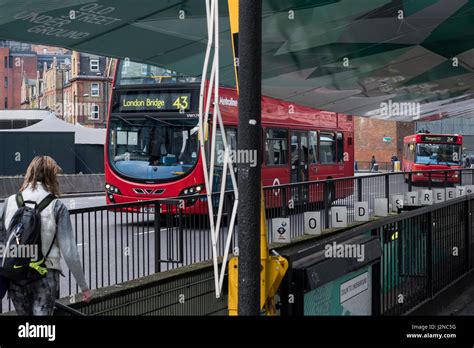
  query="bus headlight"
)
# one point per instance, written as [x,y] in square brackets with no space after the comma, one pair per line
[419,174]
[112,189]
[192,190]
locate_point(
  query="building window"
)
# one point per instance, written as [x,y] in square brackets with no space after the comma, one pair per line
[95,89]
[94,64]
[5,82]
[5,61]
[95,112]
[276,147]
[6,103]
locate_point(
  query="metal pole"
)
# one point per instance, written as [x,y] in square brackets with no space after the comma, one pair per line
[249,135]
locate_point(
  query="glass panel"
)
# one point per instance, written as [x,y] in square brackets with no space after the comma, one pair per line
[313,147]
[131,73]
[327,148]
[304,147]
[340,148]
[448,154]
[276,147]
[151,149]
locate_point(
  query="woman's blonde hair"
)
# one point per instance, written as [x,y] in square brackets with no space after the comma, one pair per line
[42,169]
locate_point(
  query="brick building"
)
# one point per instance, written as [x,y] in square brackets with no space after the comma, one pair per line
[54,79]
[87,89]
[380,138]
[14,66]
[75,87]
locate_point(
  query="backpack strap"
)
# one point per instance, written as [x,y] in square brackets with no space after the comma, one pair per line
[20,202]
[45,202]
[50,247]
[41,206]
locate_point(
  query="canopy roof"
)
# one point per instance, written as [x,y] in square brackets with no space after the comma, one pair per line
[347,56]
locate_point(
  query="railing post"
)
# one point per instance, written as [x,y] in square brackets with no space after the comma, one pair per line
[359,189]
[157,227]
[181,239]
[469,235]
[429,180]
[429,255]
[410,181]
[284,200]
[387,190]
[376,280]
[326,203]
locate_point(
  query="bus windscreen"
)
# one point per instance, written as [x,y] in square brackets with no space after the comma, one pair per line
[152,149]
[132,73]
[431,153]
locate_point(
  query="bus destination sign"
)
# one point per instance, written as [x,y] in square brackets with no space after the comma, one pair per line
[439,138]
[160,101]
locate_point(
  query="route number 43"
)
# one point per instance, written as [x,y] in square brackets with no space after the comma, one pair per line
[181,103]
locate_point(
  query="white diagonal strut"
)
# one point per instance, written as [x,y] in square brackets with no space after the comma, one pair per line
[212,11]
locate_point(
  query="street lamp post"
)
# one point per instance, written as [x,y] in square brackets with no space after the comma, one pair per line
[250,70]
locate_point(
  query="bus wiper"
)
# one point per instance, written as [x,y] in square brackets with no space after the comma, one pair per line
[447,163]
[124,120]
[157,119]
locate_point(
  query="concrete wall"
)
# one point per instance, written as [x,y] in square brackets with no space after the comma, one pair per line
[157,295]
[67,184]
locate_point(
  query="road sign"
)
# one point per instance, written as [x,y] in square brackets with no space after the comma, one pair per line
[281,230]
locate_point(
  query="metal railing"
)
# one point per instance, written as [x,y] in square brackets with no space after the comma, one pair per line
[430,251]
[423,252]
[366,166]
[122,242]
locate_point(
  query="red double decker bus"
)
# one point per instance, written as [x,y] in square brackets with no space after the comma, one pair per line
[152,145]
[437,152]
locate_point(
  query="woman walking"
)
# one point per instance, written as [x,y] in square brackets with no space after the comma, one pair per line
[38,297]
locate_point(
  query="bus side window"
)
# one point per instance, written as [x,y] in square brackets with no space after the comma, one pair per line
[219,159]
[327,148]
[340,147]
[313,147]
[411,149]
[276,148]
